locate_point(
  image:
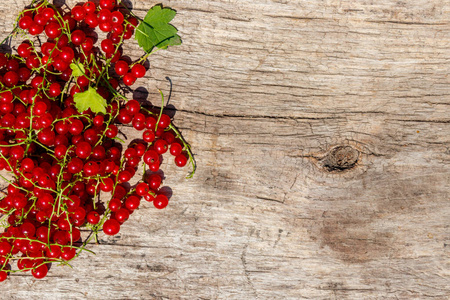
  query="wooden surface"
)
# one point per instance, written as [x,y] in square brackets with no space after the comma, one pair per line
[321,131]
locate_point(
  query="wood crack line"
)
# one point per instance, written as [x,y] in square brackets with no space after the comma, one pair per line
[423,121]
[255,116]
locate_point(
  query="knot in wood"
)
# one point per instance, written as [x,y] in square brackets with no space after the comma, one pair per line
[340,158]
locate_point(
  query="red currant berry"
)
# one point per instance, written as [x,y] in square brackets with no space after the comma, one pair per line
[132,203]
[138,71]
[75,165]
[78,13]
[88,44]
[91,20]
[40,272]
[78,37]
[54,251]
[121,68]
[106,185]
[68,253]
[76,127]
[160,201]
[154,181]
[108,46]
[151,157]
[181,160]
[11,79]
[53,30]
[98,120]
[122,215]
[67,54]
[93,217]
[105,26]
[176,149]
[112,131]
[54,90]
[117,18]
[142,189]
[89,7]
[129,79]
[164,121]
[25,22]
[115,204]
[24,50]
[108,4]
[83,150]
[35,29]
[160,146]
[111,227]
[148,136]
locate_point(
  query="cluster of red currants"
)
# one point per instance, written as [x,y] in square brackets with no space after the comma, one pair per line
[60,158]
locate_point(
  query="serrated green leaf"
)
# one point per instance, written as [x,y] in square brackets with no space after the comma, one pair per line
[158,15]
[77,69]
[155,30]
[90,99]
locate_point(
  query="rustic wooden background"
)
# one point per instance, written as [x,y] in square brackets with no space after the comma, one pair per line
[321,131]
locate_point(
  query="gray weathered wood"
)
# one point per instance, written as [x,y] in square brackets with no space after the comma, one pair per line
[321,131]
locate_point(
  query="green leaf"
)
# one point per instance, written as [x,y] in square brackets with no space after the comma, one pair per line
[90,99]
[77,69]
[155,30]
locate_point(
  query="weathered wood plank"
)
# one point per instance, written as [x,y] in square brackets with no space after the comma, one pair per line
[277,97]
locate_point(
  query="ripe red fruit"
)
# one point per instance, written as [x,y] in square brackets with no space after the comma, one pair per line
[176,149]
[91,20]
[78,13]
[35,29]
[121,67]
[75,165]
[107,185]
[93,217]
[129,79]
[122,215]
[3,275]
[142,189]
[112,131]
[111,227]
[138,71]
[68,253]
[78,37]
[117,18]
[105,26]
[47,137]
[76,127]
[83,150]
[40,272]
[108,4]
[181,160]
[154,181]
[160,201]
[164,121]
[151,157]
[108,46]
[53,30]
[89,7]
[24,50]
[115,204]
[161,146]
[11,79]
[5,248]
[148,136]
[133,107]
[25,22]
[132,203]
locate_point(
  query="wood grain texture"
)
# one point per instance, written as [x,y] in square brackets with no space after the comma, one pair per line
[322,135]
